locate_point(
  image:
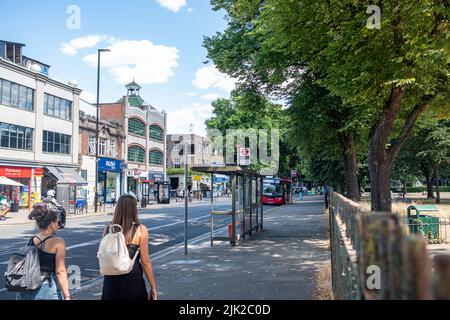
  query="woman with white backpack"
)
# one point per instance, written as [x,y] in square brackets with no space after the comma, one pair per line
[124,256]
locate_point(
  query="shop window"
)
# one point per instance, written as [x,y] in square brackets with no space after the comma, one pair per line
[156,133]
[136,154]
[156,157]
[16,137]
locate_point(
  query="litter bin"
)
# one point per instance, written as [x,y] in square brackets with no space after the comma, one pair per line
[143,203]
[15,207]
[423,224]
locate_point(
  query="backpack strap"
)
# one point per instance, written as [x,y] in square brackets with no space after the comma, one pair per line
[135,227]
[41,242]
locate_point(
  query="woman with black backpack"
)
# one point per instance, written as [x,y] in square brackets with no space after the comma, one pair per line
[52,256]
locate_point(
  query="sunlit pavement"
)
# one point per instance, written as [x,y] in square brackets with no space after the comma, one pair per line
[278,263]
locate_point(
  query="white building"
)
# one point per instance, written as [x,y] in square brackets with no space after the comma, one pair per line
[38,129]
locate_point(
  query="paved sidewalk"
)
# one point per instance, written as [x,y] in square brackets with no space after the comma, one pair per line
[278,263]
[21,217]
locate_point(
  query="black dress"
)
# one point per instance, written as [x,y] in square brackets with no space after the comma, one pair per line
[129,286]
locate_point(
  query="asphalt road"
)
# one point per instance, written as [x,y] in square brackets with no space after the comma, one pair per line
[83,236]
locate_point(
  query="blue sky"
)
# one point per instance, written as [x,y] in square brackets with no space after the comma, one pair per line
[159,42]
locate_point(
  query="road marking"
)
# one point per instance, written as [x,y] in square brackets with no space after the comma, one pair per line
[95,242]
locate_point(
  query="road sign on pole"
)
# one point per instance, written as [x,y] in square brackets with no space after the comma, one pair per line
[244,157]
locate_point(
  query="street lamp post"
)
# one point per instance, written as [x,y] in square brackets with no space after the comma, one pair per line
[186,195]
[97,128]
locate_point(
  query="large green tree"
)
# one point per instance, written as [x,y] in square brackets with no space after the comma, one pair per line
[389,76]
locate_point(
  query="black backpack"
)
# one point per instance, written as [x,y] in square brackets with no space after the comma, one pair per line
[24,269]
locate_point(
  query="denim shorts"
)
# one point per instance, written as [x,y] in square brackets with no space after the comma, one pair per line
[48,291]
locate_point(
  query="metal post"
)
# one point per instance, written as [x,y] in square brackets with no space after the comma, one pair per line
[99,51]
[186,190]
[212,209]
[233,209]
[97,133]
[262,207]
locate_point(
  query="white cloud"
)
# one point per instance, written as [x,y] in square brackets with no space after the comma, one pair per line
[190,9]
[180,119]
[88,97]
[190,94]
[210,77]
[210,96]
[77,44]
[142,60]
[172,5]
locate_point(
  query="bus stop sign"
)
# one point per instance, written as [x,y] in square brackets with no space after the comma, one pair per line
[244,157]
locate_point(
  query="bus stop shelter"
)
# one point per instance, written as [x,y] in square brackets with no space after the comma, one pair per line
[246,214]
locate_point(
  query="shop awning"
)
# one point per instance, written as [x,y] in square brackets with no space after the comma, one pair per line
[8,182]
[66,175]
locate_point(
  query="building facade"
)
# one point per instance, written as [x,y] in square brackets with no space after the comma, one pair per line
[38,130]
[145,143]
[200,153]
[110,152]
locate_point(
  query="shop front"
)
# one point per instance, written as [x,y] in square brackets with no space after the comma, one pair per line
[30,178]
[70,187]
[109,177]
[135,179]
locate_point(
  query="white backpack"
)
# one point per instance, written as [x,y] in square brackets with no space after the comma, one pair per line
[113,254]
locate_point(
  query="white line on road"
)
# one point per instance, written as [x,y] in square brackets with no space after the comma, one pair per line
[95,242]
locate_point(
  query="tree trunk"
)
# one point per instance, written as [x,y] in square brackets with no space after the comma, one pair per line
[380,183]
[404,189]
[438,189]
[351,165]
[430,191]
[382,157]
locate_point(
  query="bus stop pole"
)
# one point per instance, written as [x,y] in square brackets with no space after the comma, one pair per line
[212,209]
[186,195]
[233,209]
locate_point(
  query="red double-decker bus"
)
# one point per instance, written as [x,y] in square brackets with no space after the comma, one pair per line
[277,191]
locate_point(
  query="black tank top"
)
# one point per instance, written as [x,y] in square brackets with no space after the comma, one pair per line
[46,260]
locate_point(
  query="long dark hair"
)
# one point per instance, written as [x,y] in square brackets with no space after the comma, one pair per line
[43,216]
[126,214]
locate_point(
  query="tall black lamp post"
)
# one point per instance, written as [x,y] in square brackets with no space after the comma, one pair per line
[97,128]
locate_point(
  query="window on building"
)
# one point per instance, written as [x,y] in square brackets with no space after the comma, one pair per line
[102,147]
[15,95]
[84,174]
[156,133]
[91,145]
[156,157]
[57,107]
[137,127]
[112,148]
[16,137]
[177,163]
[136,154]
[54,142]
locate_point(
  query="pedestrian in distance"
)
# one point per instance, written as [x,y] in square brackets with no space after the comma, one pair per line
[52,257]
[113,200]
[131,286]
